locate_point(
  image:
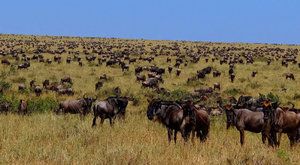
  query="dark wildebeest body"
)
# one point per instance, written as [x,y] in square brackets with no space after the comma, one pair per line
[285,121]
[110,108]
[81,106]
[180,116]
[244,119]
[4,107]
[22,109]
[170,114]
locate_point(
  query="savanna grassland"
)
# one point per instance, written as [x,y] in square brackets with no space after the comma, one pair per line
[46,138]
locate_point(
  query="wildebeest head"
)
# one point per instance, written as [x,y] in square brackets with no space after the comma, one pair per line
[268,108]
[88,101]
[229,115]
[153,109]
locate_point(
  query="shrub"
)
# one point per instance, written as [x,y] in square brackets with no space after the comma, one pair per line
[233,91]
[19,80]
[296,96]
[40,105]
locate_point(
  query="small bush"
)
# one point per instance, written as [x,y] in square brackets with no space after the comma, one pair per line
[40,105]
[19,80]
[254,85]
[178,94]
[296,96]
[233,91]
[4,86]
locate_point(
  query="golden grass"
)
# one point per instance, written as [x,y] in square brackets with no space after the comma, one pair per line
[49,139]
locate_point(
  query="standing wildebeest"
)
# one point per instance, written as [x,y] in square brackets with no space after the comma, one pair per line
[217,86]
[183,117]
[81,106]
[110,108]
[22,87]
[178,72]
[244,119]
[282,121]
[4,107]
[22,109]
[290,76]
[201,125]
[151,83]
[38,90]
[170,114]
[98,85]
[66,79]
[254,73]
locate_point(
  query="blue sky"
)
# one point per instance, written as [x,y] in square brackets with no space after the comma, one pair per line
[255,21]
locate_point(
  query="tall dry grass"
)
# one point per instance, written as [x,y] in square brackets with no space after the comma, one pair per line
[45,138]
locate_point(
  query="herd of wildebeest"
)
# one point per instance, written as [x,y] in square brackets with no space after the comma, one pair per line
[260,114]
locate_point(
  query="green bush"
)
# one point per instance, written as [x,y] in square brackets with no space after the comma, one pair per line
[233,91]
[40,105]
[4,86]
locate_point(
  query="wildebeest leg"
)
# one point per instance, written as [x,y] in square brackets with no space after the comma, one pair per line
[292,138]
[94,121]
[193,136]
[175,136]
[263,137]
[228,125]
[170,132]
[242,137]
[111,121]
[279,137]
[102,121]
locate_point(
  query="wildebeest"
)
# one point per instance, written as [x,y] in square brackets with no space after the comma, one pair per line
[22,87]
[81,106]
[217,86]
[282,121]
[24,65]
[22,109]
[38,90]
[289,76]
[170,114]
[4,107]
[98,85]
[110,108]
[151,83]
[180,116]
[66,79]
[254,73]
[244,119]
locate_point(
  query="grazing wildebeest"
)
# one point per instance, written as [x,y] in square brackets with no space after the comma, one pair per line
[24,65]
[201,123]
[98,85]
[140,77]
[66,79]
[216,73]
[5,61]
[65,91]
[22,109]
[178,71]
[151,83]
[281,120]
[170,114]
[289,76]
[217,86]
[110,108]
[38,90]
[170,69]
[46,83]
[81,106]
[22,87]
[4,107]
[244,119]
[254,73]
[232,77]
